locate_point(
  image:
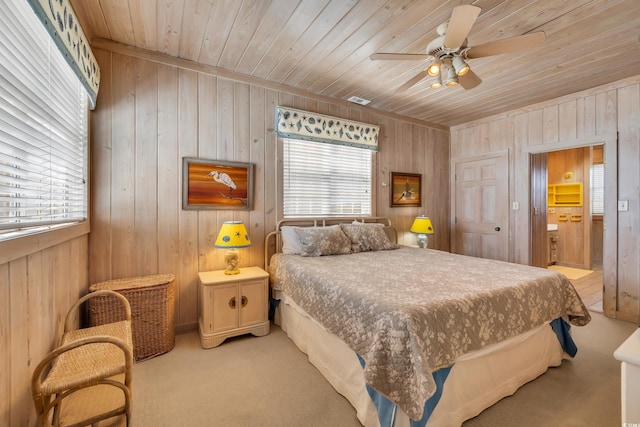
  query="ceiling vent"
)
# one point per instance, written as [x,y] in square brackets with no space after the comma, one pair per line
[357,100]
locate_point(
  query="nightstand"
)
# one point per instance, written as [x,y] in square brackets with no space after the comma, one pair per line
[233,305]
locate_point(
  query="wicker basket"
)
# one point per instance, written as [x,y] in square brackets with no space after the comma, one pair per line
[152,310]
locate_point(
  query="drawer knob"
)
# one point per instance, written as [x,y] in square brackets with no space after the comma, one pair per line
[244,302]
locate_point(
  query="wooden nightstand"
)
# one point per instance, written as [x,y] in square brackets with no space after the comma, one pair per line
[233,305]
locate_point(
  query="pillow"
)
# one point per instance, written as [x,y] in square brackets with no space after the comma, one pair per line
[290,241]
[367,237]
[318,241]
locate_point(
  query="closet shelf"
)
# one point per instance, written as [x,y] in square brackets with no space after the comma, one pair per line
[569,194]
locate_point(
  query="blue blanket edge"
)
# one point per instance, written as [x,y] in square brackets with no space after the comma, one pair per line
[387,410]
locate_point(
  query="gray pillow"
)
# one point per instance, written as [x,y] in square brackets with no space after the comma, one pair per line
[367,237]
[323,241]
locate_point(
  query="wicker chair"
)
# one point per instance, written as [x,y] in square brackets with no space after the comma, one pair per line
[89,375]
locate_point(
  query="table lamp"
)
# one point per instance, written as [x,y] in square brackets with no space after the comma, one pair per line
[232,236]
[422,226]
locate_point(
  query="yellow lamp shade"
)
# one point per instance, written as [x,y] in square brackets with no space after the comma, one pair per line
[422,225]
[232,235]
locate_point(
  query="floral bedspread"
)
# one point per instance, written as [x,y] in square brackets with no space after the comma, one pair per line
[409,312]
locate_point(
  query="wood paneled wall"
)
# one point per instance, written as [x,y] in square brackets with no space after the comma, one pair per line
[151,114]
[609,115]
[35,293]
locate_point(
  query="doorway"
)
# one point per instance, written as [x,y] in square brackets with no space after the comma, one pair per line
[567,217]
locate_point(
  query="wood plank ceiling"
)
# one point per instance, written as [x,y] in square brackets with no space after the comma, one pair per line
[323,46]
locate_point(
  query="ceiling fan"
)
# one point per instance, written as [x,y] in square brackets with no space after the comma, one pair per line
[447,55]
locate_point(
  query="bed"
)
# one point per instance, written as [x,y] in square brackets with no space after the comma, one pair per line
[415,334]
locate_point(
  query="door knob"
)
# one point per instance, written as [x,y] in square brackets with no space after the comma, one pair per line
[497,228]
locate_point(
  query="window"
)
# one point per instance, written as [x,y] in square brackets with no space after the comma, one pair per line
[324,179]
[43,129]
[597,189]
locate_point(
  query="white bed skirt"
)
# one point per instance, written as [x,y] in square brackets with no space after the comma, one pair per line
[476,381]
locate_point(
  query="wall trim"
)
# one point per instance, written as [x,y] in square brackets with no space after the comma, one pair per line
[568,144]
[22,246]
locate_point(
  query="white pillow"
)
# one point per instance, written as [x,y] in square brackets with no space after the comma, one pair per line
[290,241]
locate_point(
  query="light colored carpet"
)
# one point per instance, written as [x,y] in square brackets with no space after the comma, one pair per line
[266,381]
[582,392]
[570,272]
[247,381]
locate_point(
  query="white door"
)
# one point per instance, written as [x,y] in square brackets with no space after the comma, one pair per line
[481,211]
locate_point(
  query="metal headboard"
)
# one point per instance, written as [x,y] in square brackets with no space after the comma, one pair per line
[273,240]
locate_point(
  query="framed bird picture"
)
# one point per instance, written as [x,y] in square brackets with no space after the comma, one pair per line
[406,189]
[215,184]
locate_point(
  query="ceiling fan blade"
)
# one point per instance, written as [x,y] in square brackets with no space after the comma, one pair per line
[513,44]
[399,56]
[469,80]
[462,19]
[415,79]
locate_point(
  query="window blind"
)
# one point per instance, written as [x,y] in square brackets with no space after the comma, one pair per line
[322,179]
[597,189]
[43,128]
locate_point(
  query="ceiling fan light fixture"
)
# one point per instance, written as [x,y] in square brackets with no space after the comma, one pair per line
[437,82]
[452,77]
[460,66]
[434,68]
[446,56]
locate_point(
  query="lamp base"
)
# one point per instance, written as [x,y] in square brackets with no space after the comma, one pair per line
[232,259]
[423,241]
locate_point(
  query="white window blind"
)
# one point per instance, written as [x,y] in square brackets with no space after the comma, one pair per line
[323,179]
[43,128]
[597,189]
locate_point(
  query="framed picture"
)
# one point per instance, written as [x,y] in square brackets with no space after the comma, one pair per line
[214,184]
[406,189]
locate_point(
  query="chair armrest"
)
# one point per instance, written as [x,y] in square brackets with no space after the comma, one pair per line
[74,308]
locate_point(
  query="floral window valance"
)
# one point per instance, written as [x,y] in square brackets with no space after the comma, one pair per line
[299,124]
[62,24]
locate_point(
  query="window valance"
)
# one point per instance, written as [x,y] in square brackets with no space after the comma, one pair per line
[62,25]
[299,124]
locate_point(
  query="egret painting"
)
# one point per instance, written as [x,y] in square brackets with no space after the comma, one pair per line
[211,184]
